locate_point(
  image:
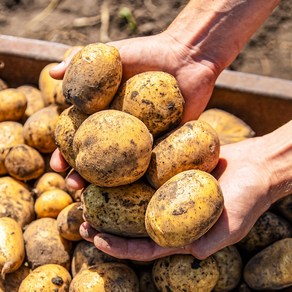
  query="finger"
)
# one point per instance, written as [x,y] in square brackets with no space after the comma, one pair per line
[87,232]
[74,181]
[57,162]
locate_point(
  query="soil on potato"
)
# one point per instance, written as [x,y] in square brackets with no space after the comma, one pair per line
[72,22]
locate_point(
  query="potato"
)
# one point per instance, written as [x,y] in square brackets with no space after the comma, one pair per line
[93,77]
[284,207]
[47,85]
[24,163]
[112,148]
[16,201]
[49,181]
[267,229]
[185,273]
[13,104]
[69,221]
[86,255]
[44,245]
[34,100]
[195,145]
[229,128]
[50,277]
[229,263]
[154,98]
[50,203]
[3,84]
[271,268]
[146,282]
[117,210]
[184,208]
[11,134]
[39,129]
[11,246]
[13,280]
[59,97]
[68,123]
[106,277]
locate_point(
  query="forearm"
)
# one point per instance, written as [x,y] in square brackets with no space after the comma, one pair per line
[216,31]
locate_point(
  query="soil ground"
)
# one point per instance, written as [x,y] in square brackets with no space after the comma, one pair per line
[72,22]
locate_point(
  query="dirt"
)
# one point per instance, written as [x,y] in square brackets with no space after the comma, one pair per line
[72,22]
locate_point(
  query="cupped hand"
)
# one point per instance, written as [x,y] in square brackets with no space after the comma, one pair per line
[244,185]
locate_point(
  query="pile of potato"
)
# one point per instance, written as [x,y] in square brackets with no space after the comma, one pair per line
[148,177]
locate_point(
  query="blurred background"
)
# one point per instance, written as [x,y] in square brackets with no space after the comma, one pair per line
[72,22]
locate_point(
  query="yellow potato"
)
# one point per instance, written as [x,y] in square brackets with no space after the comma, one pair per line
[195,145]
[50,203]
[185,273]
[16,201]
[24,163]
[50,277]
[93,77]
[154,98]
[118,210]
[11,246]
[112,148]
[184,208]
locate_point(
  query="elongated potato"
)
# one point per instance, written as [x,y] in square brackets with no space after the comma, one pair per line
[112,148]
[184,208]
[118,210]
[13,104]
[24,163]
[195,145]
[11,134]
[185,273]
[16,201]
[39,129]
[271,268]
[93,77]
[50,277]
[68,123]
[106,277]
[154,98]
[11,246]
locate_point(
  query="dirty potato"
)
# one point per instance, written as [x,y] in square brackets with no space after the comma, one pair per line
[68,123]
[39,129]
[184,208]
[16,201]
[50,277]
[13,104]
[93,77]
[195,145]
[11,246]
[112,148]
[271,268]
[153,97]
[117,210]
[24,163]
[185,273]
[284,207]
[14,279]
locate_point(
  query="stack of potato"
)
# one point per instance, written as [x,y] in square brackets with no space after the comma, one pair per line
[148,177]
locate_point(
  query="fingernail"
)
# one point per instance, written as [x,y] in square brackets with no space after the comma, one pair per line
[59,66]
[102,241]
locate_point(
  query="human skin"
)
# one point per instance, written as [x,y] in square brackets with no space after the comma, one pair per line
[202,41]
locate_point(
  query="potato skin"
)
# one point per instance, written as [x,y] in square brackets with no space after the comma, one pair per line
[117,210]
[16,201]
[284,207]
[13,104]
[195,145]
[93,77]
[229,263]
[229,128]
[112,148]
[106,277]
[154,98]
[267,229]
[68,123]
[271,268]
[11,246]
[39,129]
[185,273]
[24,163]
[14,279]
[184,208]
[50,277]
